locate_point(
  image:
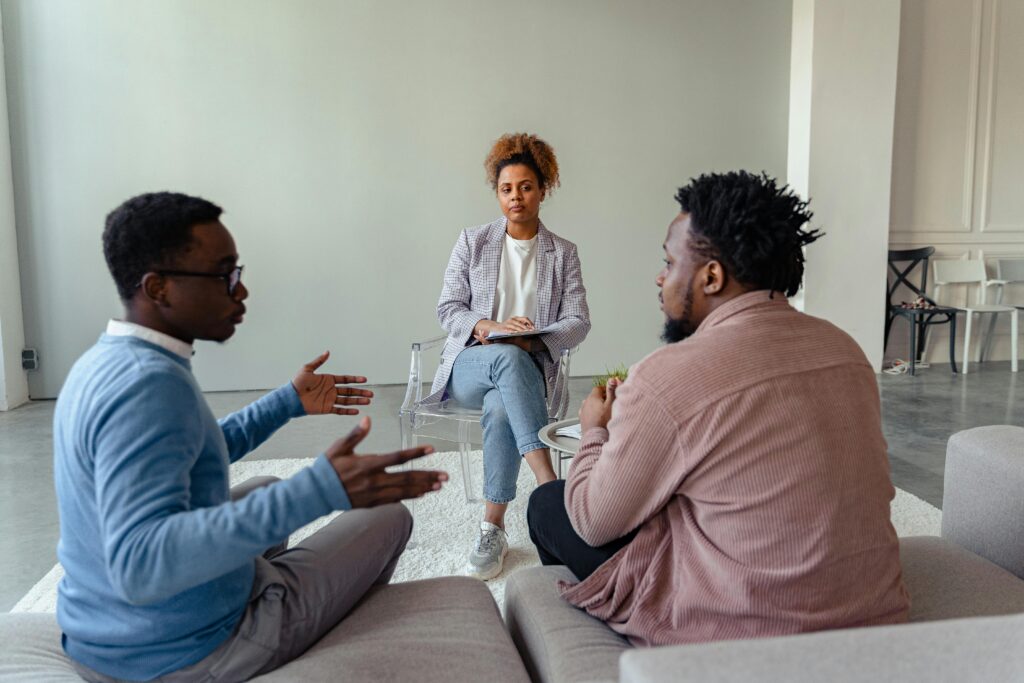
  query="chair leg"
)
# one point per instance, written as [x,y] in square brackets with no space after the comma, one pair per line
[467,473]
[967,340]
[980,343]
[913,346]
[1013,341]
[986,348]
[922,341]
[407,428]
[952,342]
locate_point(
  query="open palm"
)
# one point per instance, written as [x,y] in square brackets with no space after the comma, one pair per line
[322,394]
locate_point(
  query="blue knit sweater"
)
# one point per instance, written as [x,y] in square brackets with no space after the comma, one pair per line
[159,563]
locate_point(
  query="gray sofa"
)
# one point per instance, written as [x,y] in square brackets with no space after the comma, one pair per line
[966,590]
[435,631]
[449,629]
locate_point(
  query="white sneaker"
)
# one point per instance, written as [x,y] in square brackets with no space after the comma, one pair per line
[491,548]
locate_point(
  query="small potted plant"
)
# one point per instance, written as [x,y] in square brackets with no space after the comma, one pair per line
[620,373]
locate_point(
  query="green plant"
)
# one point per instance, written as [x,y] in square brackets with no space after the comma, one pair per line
[620,372]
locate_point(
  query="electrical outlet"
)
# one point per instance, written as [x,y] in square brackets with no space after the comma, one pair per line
[30,359]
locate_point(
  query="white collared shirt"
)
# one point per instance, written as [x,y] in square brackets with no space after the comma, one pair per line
[120,328]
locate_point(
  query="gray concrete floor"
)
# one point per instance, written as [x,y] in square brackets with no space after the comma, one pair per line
[919,414]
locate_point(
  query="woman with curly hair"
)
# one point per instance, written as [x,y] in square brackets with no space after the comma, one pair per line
[511,275]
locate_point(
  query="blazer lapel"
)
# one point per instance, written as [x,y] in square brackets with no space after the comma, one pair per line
[490,259]
[545,273]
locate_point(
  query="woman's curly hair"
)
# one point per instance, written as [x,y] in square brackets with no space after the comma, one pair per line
[750,224]
[523,148]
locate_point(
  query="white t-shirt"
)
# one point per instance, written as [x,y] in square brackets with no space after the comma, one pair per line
[517,280]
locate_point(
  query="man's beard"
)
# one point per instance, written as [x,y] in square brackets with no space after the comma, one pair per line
[678,329]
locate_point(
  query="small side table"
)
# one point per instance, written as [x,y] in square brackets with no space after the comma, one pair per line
[564,447]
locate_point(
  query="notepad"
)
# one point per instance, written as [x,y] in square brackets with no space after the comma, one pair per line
[529,333]
[572,431]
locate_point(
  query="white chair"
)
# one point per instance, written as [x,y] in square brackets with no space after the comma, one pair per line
[448,422]
[967,273]
[1009,272]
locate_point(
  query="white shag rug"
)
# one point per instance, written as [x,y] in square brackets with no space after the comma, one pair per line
[446,527]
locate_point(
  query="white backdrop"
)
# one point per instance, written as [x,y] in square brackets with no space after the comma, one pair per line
[345,141]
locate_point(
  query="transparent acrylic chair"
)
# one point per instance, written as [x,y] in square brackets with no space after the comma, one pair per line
[449,422]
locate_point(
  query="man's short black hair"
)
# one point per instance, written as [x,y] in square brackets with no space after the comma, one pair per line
[750,225]
[146,232]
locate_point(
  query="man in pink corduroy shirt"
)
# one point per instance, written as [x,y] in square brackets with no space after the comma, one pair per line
[736,485]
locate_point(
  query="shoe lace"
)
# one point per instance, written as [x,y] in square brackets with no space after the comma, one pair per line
[488,541]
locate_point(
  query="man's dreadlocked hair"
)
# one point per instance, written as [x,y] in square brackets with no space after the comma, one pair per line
[752,226]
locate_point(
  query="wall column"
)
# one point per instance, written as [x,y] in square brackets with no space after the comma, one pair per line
[842,109]
[13,382]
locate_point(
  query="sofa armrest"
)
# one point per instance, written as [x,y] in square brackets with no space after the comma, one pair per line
[559,643]
[981,649]
[983,497]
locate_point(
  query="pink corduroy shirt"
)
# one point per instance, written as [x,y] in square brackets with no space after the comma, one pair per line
[750,458]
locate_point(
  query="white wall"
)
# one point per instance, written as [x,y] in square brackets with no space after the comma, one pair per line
[958,160]
[843,111]
[346,142]
[13,383]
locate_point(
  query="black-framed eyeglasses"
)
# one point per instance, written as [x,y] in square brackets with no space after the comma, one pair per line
[232,277]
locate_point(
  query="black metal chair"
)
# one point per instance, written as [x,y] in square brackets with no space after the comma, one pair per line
[918,319]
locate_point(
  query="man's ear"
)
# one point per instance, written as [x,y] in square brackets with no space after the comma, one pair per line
[714,277]
[154,288]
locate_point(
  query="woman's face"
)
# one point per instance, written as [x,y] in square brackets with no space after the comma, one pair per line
[519,194]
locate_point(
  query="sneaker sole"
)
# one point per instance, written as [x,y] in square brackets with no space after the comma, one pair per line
[487,576]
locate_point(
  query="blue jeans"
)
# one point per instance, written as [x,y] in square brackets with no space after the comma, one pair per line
[504,381]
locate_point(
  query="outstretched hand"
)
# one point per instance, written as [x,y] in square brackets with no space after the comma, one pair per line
[322,393]
[365,478]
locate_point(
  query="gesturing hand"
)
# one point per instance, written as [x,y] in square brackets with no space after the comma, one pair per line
[321,394]
[364,476]
[597,407]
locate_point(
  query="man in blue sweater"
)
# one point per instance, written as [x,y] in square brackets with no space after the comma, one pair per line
[169,574]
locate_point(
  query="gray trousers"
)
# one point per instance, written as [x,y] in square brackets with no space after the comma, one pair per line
[301,593]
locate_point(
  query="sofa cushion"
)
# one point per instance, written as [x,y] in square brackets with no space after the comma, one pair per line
[30,650]
[981,501]
[435,630]
[558,642]
[445,629]
[983,649]
[945,581]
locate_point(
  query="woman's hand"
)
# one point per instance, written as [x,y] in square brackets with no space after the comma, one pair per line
[516,323]
[483,328]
